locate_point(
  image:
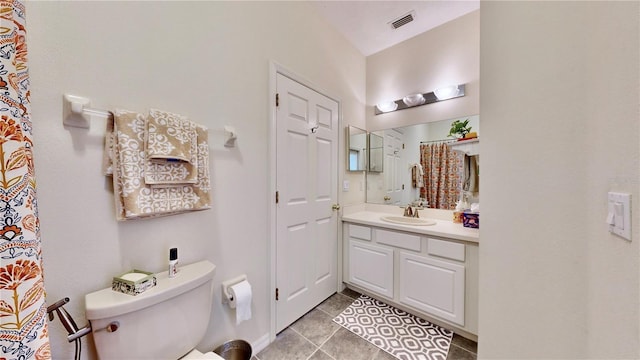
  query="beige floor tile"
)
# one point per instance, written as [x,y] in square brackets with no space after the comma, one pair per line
[288,345]
[347,345]
[335,304]
[317,326]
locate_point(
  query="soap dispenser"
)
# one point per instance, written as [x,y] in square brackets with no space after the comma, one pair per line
[458,212]
[173,262]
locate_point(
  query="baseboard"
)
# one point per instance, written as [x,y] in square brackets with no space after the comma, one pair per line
[260,344]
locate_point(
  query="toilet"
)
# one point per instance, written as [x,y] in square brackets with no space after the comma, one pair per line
[164,322]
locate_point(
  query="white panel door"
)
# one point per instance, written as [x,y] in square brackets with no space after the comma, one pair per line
[393,175]
[433,286]
[307,182]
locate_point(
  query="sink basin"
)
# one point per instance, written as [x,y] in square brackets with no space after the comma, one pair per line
[407,220]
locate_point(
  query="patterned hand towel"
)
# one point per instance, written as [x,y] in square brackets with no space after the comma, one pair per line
[107,158]
[170,136]
[134,198]
[171,147]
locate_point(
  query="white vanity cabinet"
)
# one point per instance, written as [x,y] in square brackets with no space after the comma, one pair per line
[371,267]
[431,276]
[433,286]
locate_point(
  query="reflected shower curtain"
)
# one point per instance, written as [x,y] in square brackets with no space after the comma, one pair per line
[23,323]
[442,175]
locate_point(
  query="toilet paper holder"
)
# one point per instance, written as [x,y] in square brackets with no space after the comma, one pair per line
[226,285]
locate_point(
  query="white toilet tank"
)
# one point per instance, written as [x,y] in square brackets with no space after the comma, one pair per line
[164,322]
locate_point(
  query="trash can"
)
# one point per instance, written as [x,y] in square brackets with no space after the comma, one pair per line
[234,350]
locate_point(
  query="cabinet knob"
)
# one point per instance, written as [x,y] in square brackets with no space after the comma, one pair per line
[335,207]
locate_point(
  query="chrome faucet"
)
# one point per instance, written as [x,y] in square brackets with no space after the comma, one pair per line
[410,212]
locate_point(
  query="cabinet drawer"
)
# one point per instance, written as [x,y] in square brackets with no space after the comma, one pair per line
[445,249]
[401,240]
[360,232]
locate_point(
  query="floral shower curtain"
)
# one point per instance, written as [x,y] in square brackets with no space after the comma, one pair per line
[23,323]
[442,175]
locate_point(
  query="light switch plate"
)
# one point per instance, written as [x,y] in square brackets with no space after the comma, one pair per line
[620,204]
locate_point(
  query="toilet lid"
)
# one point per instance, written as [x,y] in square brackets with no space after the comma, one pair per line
[195,354]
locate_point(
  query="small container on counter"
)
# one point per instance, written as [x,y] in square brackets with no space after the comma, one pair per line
[471,220]
[133,282]
[173,262]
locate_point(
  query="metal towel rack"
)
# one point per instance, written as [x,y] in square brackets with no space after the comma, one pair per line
[76,112]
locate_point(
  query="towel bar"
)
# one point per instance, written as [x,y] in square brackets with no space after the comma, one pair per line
[76,111]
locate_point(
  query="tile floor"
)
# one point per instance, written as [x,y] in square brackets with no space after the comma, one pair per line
[316,337]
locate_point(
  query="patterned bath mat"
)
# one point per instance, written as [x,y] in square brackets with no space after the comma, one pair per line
[402,335]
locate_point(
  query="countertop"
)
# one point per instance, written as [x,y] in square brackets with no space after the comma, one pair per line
[443,228]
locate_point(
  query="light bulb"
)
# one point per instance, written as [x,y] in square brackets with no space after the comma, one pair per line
[447,92]
[413,100]
[387,106]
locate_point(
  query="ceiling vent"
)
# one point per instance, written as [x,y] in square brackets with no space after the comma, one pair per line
[403,20]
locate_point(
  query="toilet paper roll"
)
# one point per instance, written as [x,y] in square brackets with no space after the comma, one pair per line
[241,293]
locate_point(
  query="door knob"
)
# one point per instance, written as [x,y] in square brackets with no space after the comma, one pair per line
[335,207]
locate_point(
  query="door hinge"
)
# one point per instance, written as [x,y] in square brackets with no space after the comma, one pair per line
[277,197]
[277,99]
[277,294]
[402,186]
[402,146]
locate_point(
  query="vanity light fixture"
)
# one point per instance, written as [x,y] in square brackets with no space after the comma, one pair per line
[387,106]
[446,92]
[413,100]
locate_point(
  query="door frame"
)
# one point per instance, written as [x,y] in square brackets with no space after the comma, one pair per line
[274,69]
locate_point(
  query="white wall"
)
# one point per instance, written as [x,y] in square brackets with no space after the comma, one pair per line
[560,109]
[442,56]
[207,60]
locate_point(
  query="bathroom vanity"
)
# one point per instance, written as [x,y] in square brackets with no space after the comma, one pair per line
[430,271]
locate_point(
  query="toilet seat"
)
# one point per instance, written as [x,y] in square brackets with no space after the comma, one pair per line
[195,354]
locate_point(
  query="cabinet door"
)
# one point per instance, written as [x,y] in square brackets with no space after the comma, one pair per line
[371,267]
[433,286]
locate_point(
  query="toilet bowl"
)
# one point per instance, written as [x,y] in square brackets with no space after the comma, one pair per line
[164,322]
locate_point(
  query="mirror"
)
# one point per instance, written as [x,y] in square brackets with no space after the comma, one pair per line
[401,148]
[376,158]
[356,149]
